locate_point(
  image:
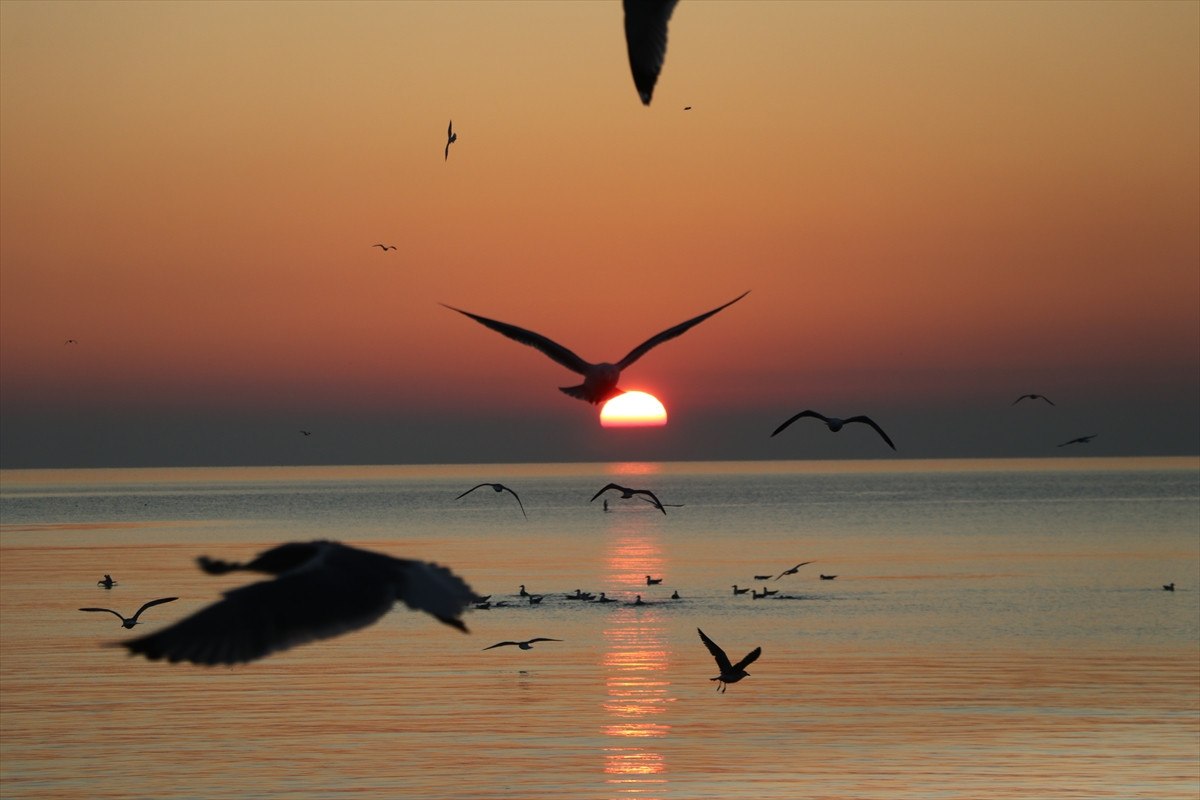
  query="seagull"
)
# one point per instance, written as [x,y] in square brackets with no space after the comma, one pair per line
[599,380]
[627,493]
[129,622]
[730,673]
[768,592]
[646,39]
[306,433]
[1169,587]
[320,589]
[534,599]
[525,645]
[1033,397]
[605,599]
[497,487]
[107,583]
[653,581]
[638,601]
[523,593]
[764,577]
[827,577]
[836,424]
[451,138]
[71,341]
[675,595]
[793,570]
[738,591]
[1080,440]
[385,247]
[758,595]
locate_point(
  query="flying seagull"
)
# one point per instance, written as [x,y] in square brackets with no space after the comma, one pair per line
[107,583]
[1033,397]
[306,433]
[646,39]
[71,341]
[451,138]
[793,570]
[599,380]
[627,493]
[498,487]
[129,622]
[730,673]
[385,247]
[320,589]
[764,577]
[1080,440]
[836,424]
[525,645]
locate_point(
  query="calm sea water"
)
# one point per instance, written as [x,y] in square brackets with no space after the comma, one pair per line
[995,630]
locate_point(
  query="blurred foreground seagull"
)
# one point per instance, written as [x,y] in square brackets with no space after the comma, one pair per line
[730,673]
[793,570]
[498,487]
[451,138]
[320,589]
[1080,440]
[646,39]
[836,424]
[525,645]
[1033,397]
[599,380]
[129,622]
[627,494]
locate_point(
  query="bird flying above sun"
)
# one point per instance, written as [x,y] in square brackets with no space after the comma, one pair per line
[633,410]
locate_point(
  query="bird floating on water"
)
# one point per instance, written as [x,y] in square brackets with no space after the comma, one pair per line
[129,622]
[1033,397]
[320,589]
[599,380]
[675,595]
[638,601]
[385,247]
[1080,440]
[793,570]
[1170,587]
[646,41]
[730,673]
[627,493]
[834,424]
[605,599]
[653,581]
[738,591]
[827,577]
[108,582]
[525,645]
[451,138]
[497,487]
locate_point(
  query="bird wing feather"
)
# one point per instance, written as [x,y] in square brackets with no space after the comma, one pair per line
[878,429]
[717,653]
[551,348]
[157,602]
[671,333]
[646,40]
[804,413]
[748,660]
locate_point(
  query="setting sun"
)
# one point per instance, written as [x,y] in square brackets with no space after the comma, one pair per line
[633,409]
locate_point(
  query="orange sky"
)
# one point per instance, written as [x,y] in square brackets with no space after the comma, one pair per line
[952,201]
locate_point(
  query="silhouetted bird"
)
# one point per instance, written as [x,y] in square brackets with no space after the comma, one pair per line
[653,581]
[107,583]
[385,247]
[605,599]
[828,577]
[793,570]
[525,645]
[1170,587]
[320,589]
[306,433]
[764,577]
[497,487]
[1080,440]
[534,599]
[646,40]
[730,673]
[738,591]
[834,424]
[627,493]
[451,138]
[1033,397]
[71,341]
[523,593]
[129,622]
[675,595]
[599,380]
[638,601]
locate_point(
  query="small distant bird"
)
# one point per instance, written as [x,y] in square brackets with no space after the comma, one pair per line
[1080,440]
[1170,587]
[129,622]
[738,591]
[646,40]
[638,601]
[525,645]
[107,583]
[497,487]
[599,380]
[627,493]
[768,592]
[523,593]
[834,424]
[1033,397]
[306,433]
[653,581]
[730,673]
[828,577]
[605,599]
[71,341]
[793,570]
[320,589]
[534,599]
[385,247]
[687,108]
[675,595]
[764,577]
[758,595]
[451,138]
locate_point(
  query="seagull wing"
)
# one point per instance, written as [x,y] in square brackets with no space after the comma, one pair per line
[878,429]
[468,491]
[748,660]
[519,503]
[109,610]
[653,498]
[1047,399]
[717,653]
[805,413]
[646,40]
[671,333]
[501,644]
[551,348]
[542,639]
[605,489]
[160,601]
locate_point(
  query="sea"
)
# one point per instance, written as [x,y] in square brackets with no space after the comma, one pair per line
[995,629]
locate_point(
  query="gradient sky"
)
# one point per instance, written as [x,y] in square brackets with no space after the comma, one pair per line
[937,207]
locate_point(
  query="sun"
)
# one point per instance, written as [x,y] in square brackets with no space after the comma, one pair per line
[633,410]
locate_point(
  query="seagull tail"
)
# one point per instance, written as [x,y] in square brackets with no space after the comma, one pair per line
[577,392]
